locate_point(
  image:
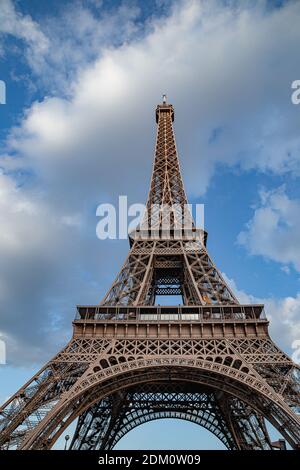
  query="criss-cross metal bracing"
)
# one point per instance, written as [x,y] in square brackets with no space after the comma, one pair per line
[101,428]
[167,246]
[210,361]
[187,267]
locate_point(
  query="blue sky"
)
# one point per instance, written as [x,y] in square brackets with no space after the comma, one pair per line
[83,79]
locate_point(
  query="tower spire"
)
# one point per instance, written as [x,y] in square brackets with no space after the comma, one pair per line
[166,191]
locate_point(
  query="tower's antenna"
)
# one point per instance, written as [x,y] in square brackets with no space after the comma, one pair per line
[164,99]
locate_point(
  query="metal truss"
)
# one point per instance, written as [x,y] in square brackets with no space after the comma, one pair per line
[186,269]
[210,361]
[107,368]
[106,422]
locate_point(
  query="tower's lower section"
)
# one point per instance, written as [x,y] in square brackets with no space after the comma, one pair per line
[229,419]
[221,373]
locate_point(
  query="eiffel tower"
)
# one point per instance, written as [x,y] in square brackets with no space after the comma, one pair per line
[209,361]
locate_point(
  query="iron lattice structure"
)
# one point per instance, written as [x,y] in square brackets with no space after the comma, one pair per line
[210,361]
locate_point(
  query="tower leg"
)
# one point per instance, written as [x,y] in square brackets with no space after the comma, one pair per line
[247,426]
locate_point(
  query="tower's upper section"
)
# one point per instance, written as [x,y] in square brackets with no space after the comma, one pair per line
[167,210]
[164,108]
[166,187]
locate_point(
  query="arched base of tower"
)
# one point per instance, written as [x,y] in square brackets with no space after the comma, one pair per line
[234,404]
[230,420]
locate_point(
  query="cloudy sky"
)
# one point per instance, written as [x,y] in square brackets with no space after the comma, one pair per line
[83,78]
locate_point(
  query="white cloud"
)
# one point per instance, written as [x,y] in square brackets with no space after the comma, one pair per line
[61,45]
[47,267]
[285,269]
[283,314]
[274,230]
[89,140]
[16,24]
[13,23]
[236,87]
